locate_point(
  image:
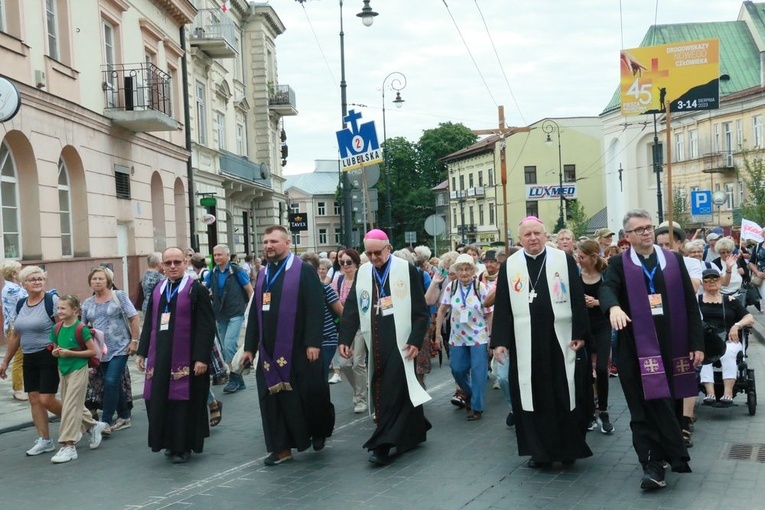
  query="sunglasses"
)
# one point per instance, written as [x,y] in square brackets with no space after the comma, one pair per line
[172,262]
[346,262]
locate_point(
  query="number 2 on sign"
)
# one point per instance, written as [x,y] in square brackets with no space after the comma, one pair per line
[641,93]
[358,143]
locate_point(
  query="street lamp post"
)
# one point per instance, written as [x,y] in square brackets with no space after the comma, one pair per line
[548,126]
[397,83]
[367,16]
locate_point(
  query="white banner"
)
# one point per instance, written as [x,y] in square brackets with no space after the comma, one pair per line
[751,230]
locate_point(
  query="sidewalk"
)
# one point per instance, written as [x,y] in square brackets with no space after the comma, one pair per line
[15,415]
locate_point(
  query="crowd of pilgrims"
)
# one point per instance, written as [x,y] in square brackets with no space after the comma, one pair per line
[459,293]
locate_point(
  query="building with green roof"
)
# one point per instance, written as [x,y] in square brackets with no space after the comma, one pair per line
[706,146]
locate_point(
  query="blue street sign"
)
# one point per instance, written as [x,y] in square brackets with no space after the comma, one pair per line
[701,202]
[358,144]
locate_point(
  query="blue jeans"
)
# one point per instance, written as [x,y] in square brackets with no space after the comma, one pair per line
[327,353]
[114,397]
[502,371]
[470,367]
[228,331]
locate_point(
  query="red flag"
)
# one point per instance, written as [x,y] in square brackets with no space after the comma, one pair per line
[226,6]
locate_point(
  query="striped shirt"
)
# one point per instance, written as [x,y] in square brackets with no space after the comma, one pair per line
[330,329]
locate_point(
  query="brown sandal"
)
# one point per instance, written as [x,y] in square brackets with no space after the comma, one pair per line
[216,412]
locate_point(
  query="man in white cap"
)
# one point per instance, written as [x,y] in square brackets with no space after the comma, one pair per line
[540,321]
[709,250]
[387,304]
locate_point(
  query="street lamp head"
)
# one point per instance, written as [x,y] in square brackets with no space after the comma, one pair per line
[367,15]
[549,140]
[398,101]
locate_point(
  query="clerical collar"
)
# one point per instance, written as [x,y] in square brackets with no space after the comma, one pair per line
[276,264]
[544,249]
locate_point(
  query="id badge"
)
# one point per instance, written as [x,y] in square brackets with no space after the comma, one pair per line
[164,321]
[386,305]
[654,301]
[266,301]
[464,319]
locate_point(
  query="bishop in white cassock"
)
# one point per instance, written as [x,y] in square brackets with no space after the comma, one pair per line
[540,322]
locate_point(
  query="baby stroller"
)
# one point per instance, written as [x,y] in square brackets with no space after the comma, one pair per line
[744,383]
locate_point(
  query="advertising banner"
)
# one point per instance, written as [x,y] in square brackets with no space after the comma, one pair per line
[298,221]
[686,74]
[550,191]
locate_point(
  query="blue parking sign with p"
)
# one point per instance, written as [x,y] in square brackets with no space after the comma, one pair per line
[701,202]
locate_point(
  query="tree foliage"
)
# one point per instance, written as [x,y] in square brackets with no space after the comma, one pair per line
[578,222]
[414,171]
[753,207]
[438,142]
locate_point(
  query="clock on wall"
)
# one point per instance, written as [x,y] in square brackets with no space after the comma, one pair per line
[10,100]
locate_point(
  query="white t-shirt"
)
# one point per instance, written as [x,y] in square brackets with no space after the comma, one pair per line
[469,325]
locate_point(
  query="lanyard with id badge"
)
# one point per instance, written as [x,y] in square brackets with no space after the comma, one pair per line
[464,317]
[654,298]
[269,282]
[164,322]
[384,303]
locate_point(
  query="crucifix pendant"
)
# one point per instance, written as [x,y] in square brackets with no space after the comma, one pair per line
[378,307]
[532,295]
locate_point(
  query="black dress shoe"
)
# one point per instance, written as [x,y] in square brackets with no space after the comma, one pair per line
[568,462]
[535,464]
[510,420]
[318,443]
[180,458]
[380,458]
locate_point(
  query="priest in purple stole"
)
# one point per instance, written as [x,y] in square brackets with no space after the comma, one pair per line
[651,302]
[539,327]
[176,341]
[285,328]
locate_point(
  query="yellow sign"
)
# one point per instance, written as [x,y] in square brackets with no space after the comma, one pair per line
[685,74]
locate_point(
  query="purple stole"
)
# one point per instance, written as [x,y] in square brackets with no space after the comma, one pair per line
[180,364]
[277,374]
[652,370]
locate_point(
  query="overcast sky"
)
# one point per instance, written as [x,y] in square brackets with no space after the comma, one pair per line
[560,58]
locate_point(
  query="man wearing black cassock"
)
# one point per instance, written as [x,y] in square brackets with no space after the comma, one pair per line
[285,329]
[651,302]
[387,304]
[177,337]
[540,322]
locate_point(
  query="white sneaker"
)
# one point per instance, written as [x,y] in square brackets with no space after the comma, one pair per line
[96,435]
[121,424]
[65,454]
[335,379]
[41,446]
[496,384]
[360,408]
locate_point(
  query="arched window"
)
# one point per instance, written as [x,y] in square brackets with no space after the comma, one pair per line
[65,209]
[9,204]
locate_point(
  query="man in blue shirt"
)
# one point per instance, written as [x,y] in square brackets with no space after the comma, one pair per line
[231,290]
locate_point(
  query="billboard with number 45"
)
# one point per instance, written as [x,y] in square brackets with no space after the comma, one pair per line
[683,74]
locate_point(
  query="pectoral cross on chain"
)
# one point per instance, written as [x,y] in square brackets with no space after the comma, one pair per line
[532,295]
[378,306]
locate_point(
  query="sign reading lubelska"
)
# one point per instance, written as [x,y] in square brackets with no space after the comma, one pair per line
[298,221]
[684,73]
[358,143]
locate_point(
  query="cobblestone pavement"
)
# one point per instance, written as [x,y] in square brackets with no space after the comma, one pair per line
[471,465]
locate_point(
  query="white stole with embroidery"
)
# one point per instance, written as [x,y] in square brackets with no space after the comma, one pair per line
[556,270]
[402,316]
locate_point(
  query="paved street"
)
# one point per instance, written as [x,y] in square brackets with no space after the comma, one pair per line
[471,465]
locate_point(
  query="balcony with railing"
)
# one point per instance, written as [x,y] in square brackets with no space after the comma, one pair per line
[242,168]
[476,192]
[281,100]
[138,97]
[214,33]
[718,162]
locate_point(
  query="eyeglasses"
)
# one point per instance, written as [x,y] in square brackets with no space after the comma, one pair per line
[376,253]
[640,230]
[172,262]
[35,280]
[346,262]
